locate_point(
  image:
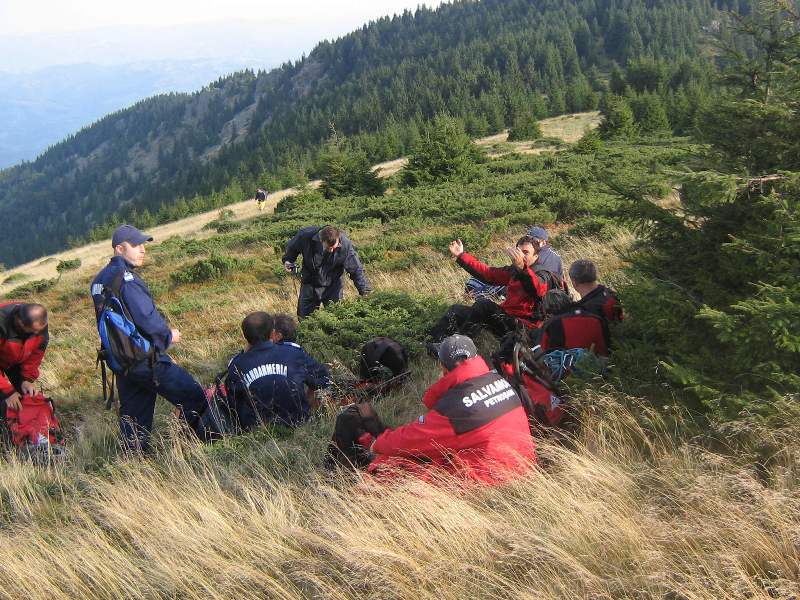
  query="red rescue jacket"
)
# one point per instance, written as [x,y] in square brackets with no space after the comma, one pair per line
[574,329]
[603,302]
[524,291]
[476,429]
[18,348]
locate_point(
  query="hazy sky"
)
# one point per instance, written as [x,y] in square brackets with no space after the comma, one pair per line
[260,33]
[38,16]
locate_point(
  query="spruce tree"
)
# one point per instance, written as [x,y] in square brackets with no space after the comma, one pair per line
[618,121]
[444,153]
[722,271]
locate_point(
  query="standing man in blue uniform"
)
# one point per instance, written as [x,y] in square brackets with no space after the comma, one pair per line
[268,381]
[327,253]
[140,385]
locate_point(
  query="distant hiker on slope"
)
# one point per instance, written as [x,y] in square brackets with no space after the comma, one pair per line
[273,381]
[475,427]
[261,198]
[155,374]
[327,253]
[525,290]
[23,341]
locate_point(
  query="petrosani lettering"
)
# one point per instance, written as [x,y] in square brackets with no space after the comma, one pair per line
[487,393]
[264,371]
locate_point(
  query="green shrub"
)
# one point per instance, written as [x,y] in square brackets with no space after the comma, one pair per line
[213,267]
[68,265]
[31,289]
[339,331]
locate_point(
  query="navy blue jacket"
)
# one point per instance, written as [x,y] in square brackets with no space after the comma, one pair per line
[137,299]
[551,261]
[274,376]
[322,269]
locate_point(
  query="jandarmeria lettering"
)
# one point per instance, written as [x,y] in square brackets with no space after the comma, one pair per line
[264,371]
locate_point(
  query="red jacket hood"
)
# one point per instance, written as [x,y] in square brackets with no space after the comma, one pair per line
[468,369]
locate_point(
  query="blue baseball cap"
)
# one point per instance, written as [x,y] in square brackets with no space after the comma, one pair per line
[129,233]
[537,232]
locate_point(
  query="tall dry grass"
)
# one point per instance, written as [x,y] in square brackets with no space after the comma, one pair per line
[625,508]
[633,504]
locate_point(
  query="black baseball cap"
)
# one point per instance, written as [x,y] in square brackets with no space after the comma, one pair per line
[455,349]
[129,233]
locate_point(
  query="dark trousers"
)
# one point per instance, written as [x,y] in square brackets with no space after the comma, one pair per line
[469,320]
[137,399]
[311,297]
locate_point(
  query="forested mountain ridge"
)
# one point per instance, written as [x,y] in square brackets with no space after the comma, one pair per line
[485,62]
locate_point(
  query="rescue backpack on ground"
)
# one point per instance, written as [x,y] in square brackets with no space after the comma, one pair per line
[122,347]
[34,428]
[531,378]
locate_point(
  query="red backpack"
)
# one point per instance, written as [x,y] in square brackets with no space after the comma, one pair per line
[35,423]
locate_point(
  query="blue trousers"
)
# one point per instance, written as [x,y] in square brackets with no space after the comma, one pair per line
[311,297]
[137,399]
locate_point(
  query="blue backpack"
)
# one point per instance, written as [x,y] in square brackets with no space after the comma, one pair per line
[122,347]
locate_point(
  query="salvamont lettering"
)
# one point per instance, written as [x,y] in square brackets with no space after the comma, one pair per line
[489,393]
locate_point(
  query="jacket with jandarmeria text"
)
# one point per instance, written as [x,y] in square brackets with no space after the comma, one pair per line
[137,299]
[475,428]
[322,269]
[274,377]
[18,348]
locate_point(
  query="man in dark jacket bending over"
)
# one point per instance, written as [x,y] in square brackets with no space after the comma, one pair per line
[267,382]
[327,253]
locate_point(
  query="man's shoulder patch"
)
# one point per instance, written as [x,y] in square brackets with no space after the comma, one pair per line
[128,276]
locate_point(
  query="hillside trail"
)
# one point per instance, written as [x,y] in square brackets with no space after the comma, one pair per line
[568,128]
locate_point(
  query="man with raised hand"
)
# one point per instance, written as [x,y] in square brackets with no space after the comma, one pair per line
[525,290]
[139,385]
[23,341]
[327,253]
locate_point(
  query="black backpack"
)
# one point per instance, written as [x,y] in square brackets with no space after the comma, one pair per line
[382,358]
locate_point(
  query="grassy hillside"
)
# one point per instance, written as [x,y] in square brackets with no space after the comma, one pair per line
[643,500]
[491,64]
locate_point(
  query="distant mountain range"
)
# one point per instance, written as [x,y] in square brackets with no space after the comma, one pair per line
[40,108]
[488,63]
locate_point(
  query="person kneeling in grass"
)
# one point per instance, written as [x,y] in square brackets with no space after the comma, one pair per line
[475,429]
[267,382]
[525,290]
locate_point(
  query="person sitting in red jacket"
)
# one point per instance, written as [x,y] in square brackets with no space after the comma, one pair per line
[23,341]
[595,298]
[475,427]
[570,326]
[525,289]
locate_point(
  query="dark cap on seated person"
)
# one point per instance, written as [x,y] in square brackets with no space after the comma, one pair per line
[537,232]
[455,349]
[129,233]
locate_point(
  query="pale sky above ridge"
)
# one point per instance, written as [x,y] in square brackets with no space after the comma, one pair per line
[43,16]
